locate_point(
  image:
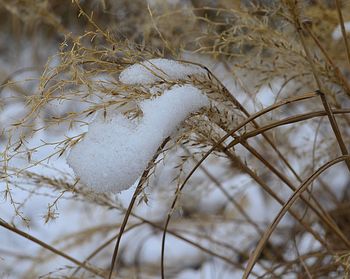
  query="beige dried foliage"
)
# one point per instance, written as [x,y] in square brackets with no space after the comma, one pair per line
[285,46]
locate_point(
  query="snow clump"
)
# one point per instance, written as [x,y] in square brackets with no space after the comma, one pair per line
[115,151]
[153,70]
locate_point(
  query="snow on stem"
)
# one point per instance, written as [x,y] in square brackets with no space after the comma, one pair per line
[115,151]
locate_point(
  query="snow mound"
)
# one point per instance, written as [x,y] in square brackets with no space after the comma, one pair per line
[337,34]
[153,70]
[115,151]
[166,112]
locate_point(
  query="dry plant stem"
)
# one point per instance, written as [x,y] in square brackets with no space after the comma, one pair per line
[104,245]
[177,235]
[240,107]
[274,147]
[282,122]
[323,215]
[226,194]
[205,236]
[17,72]
[343,31]
[301,260]
[230,198]
[254,257]
[93,23]
[335,127]
[295,262]
[259,181]
[50,248]
[165,42]
[138,190]
[266,188]
[330,61]
[272,144]
[289,120]
[265,136]
[218,144]
[208,251]
[159,227]
[20,255]
[308,55]
[300,27]
[325,187]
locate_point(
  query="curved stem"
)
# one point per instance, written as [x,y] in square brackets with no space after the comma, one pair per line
[131,205]
[285,209]
[285,121]
[230,133]
[101,247]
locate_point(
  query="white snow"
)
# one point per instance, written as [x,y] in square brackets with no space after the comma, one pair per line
[115,151]
[337,34]
[165,113]
[153,70]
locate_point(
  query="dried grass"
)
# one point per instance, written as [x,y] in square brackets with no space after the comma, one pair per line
[286,45]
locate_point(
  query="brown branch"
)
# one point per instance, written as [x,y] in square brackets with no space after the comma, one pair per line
[50,248]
